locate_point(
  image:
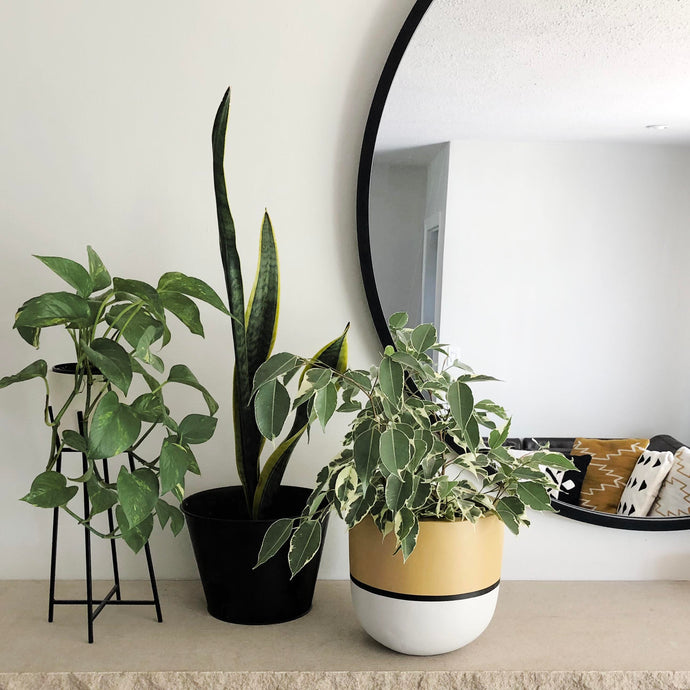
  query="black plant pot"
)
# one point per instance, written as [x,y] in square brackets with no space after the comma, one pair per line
[226,546]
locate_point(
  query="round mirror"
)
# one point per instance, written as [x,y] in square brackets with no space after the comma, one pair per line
[523,186]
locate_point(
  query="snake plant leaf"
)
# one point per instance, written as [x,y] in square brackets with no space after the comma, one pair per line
[173,465]
[166,512]
[248,441]
[193,287]
[112,360]
[333,355]
[99,273]
[304,545]
[135,537]
[185,310]
[71,272]
[196,428]
[180,373]
[276,535]
[50,490]
[53,308]
[113,429]
[37,369]
[138,493]
[264,301]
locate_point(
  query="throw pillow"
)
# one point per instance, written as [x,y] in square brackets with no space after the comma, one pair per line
[644,482]
[612,464]
[674,496]
[570,487]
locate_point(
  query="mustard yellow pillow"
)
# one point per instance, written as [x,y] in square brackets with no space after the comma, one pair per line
[612,464]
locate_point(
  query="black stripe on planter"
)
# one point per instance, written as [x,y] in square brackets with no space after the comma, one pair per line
[421,597]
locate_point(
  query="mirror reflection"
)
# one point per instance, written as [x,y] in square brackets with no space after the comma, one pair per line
[529,195]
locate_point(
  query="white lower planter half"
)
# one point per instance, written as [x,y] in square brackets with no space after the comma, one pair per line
[441,599]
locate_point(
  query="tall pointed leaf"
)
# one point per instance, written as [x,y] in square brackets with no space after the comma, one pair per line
[247,438]
[264,301]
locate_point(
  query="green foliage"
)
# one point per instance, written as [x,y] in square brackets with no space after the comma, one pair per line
[114,323]
[414,450]
[254,326]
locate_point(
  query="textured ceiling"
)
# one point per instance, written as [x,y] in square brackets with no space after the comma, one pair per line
[543,69]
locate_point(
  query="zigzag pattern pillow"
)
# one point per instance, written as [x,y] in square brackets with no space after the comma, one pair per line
[613,461]
[674,496]
[644,483]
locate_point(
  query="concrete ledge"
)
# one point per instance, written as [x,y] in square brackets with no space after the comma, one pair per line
[546,635]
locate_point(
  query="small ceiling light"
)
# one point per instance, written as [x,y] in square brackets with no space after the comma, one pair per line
[656,126]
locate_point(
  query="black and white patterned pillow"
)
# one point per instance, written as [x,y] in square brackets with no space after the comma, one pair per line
[568,483]
[571,485]
[644,482]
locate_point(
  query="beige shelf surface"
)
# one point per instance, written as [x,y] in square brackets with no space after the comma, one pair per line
[599,635]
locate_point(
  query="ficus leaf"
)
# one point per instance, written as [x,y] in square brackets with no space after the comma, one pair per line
[271,408]
[304,545]
[276,535]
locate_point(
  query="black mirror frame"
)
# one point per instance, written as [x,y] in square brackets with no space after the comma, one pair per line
[659,524]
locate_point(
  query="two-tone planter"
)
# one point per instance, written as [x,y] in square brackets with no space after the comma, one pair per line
[441,599]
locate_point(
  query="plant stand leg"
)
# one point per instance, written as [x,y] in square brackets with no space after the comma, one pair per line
[53,547]
[113,544]
[149,562]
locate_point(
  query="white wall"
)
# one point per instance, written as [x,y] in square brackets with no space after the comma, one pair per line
[104,139]
[579,252]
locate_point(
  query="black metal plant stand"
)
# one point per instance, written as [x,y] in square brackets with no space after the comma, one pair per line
[95,606]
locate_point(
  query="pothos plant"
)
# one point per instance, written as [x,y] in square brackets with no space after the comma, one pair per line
[414,451]
[113,324]
[254,327]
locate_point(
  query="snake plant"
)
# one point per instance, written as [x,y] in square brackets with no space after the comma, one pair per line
[254,329]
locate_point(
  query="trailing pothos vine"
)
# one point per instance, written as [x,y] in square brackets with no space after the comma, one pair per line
[419,447]
[113,324]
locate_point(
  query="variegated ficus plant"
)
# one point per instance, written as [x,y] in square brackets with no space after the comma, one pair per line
[414,451]
[254,329]
[114,325]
